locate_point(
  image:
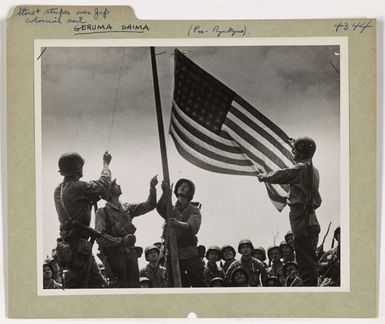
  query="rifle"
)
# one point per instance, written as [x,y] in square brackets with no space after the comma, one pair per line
[320,249]
[327,232]
[91,232]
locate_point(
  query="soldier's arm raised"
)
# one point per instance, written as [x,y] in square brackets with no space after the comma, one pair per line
[161,205]
[149,204]
[96,187]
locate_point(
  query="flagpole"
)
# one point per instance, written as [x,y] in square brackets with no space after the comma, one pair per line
[173,249]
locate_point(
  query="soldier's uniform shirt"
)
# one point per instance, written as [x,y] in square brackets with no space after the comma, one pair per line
[227,264]
[189,214]
[255,269]
[191,266]
[78,198]
[116,221]
[157,276]
[276,270]
[212,271]
[299,196]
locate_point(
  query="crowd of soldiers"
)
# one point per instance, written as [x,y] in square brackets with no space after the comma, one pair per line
[221,268]
[295,262]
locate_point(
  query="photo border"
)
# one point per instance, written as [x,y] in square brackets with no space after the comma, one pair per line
[342,42]
[22,299]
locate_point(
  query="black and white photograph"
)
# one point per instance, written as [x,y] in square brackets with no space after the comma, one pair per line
[209,166]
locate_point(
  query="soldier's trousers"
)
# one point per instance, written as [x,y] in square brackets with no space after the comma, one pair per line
[191,273]
[85,274]
[125,269]
[305,243]
[306,259]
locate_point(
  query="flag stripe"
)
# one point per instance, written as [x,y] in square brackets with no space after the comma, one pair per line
[278,201]
[262,118]
[215,129]
[257,138]
[198,131]
[202,163]
[245,147]
[256,126]
[255,143]
[251,155]
[208,146]
[211,161]
[209,153]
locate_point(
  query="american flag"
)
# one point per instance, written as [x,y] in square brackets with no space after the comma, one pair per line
[217,130]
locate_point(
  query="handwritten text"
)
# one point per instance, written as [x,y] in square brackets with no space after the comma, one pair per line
[359,26]
[217,31]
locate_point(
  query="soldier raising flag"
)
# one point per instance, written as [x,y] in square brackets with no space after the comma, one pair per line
[74,200]
[303,199]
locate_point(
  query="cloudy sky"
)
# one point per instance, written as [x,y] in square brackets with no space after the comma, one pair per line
[295,86]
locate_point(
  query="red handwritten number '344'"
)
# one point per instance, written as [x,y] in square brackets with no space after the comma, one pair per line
[361,26]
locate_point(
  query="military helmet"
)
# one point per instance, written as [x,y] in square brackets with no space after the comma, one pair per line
[191,185]
[271,248]
[144,279]
[139,251]
[150,248]
[201,251]
[227,247]
[284,242]
[306,146]
[245,241]
[158,244]
[287,235]
[260,248]
[48,263]
[70,163]
[239,269]
[216,279]
[336,231]
[106,194]
[284,268]
[214,248]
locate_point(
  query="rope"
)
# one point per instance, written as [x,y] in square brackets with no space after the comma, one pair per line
[116,99]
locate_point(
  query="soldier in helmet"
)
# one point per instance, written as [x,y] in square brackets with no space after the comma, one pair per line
[239,277]
[156,273]
[74,200]
[186,221]
[228,256]
[145,282]
[260,254]
[256,270]
[275,263]
[48,281]
[289,239]
[217,282]
[287,251]
[290,271]
[212,270]
[303,199]
[115,220]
